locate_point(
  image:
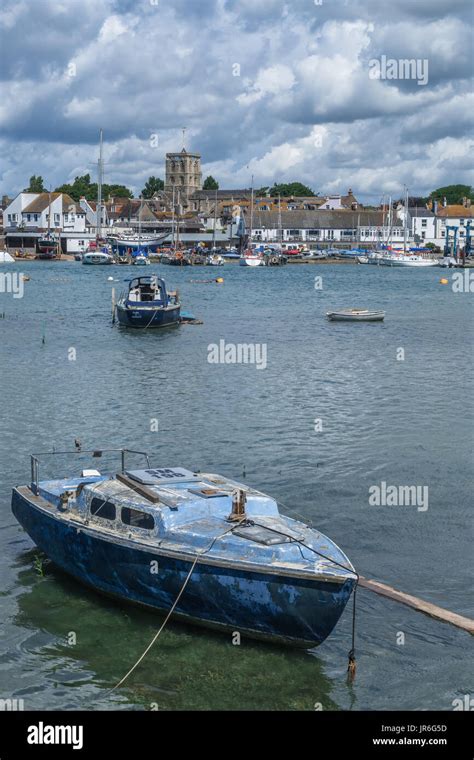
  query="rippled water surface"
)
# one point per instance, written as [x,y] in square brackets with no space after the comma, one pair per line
[403,422]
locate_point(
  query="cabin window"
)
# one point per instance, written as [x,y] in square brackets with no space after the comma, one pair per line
[137,519]
[101,508]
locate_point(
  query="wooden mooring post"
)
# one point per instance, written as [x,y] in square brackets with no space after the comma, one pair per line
[466,624]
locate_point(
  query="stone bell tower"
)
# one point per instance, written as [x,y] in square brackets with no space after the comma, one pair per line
[183,173]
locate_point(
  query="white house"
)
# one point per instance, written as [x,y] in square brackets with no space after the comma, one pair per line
[432,225]
[30,215]
[455,219]
[423,225]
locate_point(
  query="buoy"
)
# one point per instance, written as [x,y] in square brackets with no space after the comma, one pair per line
[444,281]
[110,279]
[219,279]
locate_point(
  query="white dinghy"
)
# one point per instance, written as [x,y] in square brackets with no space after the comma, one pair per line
[355,315]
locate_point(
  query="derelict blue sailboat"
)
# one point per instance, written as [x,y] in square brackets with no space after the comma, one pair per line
[221,548]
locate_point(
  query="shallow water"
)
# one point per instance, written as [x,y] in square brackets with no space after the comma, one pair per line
[403,422]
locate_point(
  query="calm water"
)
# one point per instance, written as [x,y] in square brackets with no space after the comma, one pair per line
[404,422]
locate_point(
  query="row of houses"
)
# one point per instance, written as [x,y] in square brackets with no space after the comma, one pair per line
[335,219]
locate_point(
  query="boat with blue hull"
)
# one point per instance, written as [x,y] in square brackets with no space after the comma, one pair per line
[148,303]
[217,549]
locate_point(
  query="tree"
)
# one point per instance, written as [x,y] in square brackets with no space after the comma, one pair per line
[453,193]
[286,190]
[36,185]
[152,186]
[82,187]
[210,184]
[115,191]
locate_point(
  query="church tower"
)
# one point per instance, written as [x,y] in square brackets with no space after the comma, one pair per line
[183,173]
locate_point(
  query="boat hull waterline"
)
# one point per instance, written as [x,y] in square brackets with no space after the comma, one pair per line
[147,317]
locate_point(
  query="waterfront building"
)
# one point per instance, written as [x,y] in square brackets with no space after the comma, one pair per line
[29,215]
[325,226]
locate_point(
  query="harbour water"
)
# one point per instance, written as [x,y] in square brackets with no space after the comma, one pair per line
[333,413]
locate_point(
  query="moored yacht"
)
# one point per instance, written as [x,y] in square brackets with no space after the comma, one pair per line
[147,303]
[217,552]
[97,257]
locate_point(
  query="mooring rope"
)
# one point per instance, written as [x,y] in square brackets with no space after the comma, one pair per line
[172,609]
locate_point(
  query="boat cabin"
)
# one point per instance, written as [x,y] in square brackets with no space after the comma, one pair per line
[149,289]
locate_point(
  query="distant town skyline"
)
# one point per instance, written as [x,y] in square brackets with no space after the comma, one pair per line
[366,94]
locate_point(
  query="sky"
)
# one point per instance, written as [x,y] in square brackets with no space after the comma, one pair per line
[284,90]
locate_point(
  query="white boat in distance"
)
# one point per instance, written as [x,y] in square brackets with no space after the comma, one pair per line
[355,315]
[251,259]
[405,260]
[6,258]
[138,241]
[97,257]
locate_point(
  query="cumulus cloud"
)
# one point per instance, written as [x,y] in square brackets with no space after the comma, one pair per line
[275,88]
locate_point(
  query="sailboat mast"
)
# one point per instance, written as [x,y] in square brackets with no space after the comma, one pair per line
[251,214]
[280,228]
[215,221]
[49,215]
[177,222]
[140,222]
[172,222]
[99,188]
[405,228]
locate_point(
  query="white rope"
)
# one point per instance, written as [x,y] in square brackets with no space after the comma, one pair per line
[122,680]
[155,637]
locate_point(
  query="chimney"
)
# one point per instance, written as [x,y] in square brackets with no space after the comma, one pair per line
[445,203]
[435,207]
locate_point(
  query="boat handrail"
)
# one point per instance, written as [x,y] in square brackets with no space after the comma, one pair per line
[35,462]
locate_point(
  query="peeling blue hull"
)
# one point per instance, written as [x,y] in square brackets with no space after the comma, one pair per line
[301,611]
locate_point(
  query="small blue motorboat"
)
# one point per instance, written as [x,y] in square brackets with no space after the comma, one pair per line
[216,551]
[147,303]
